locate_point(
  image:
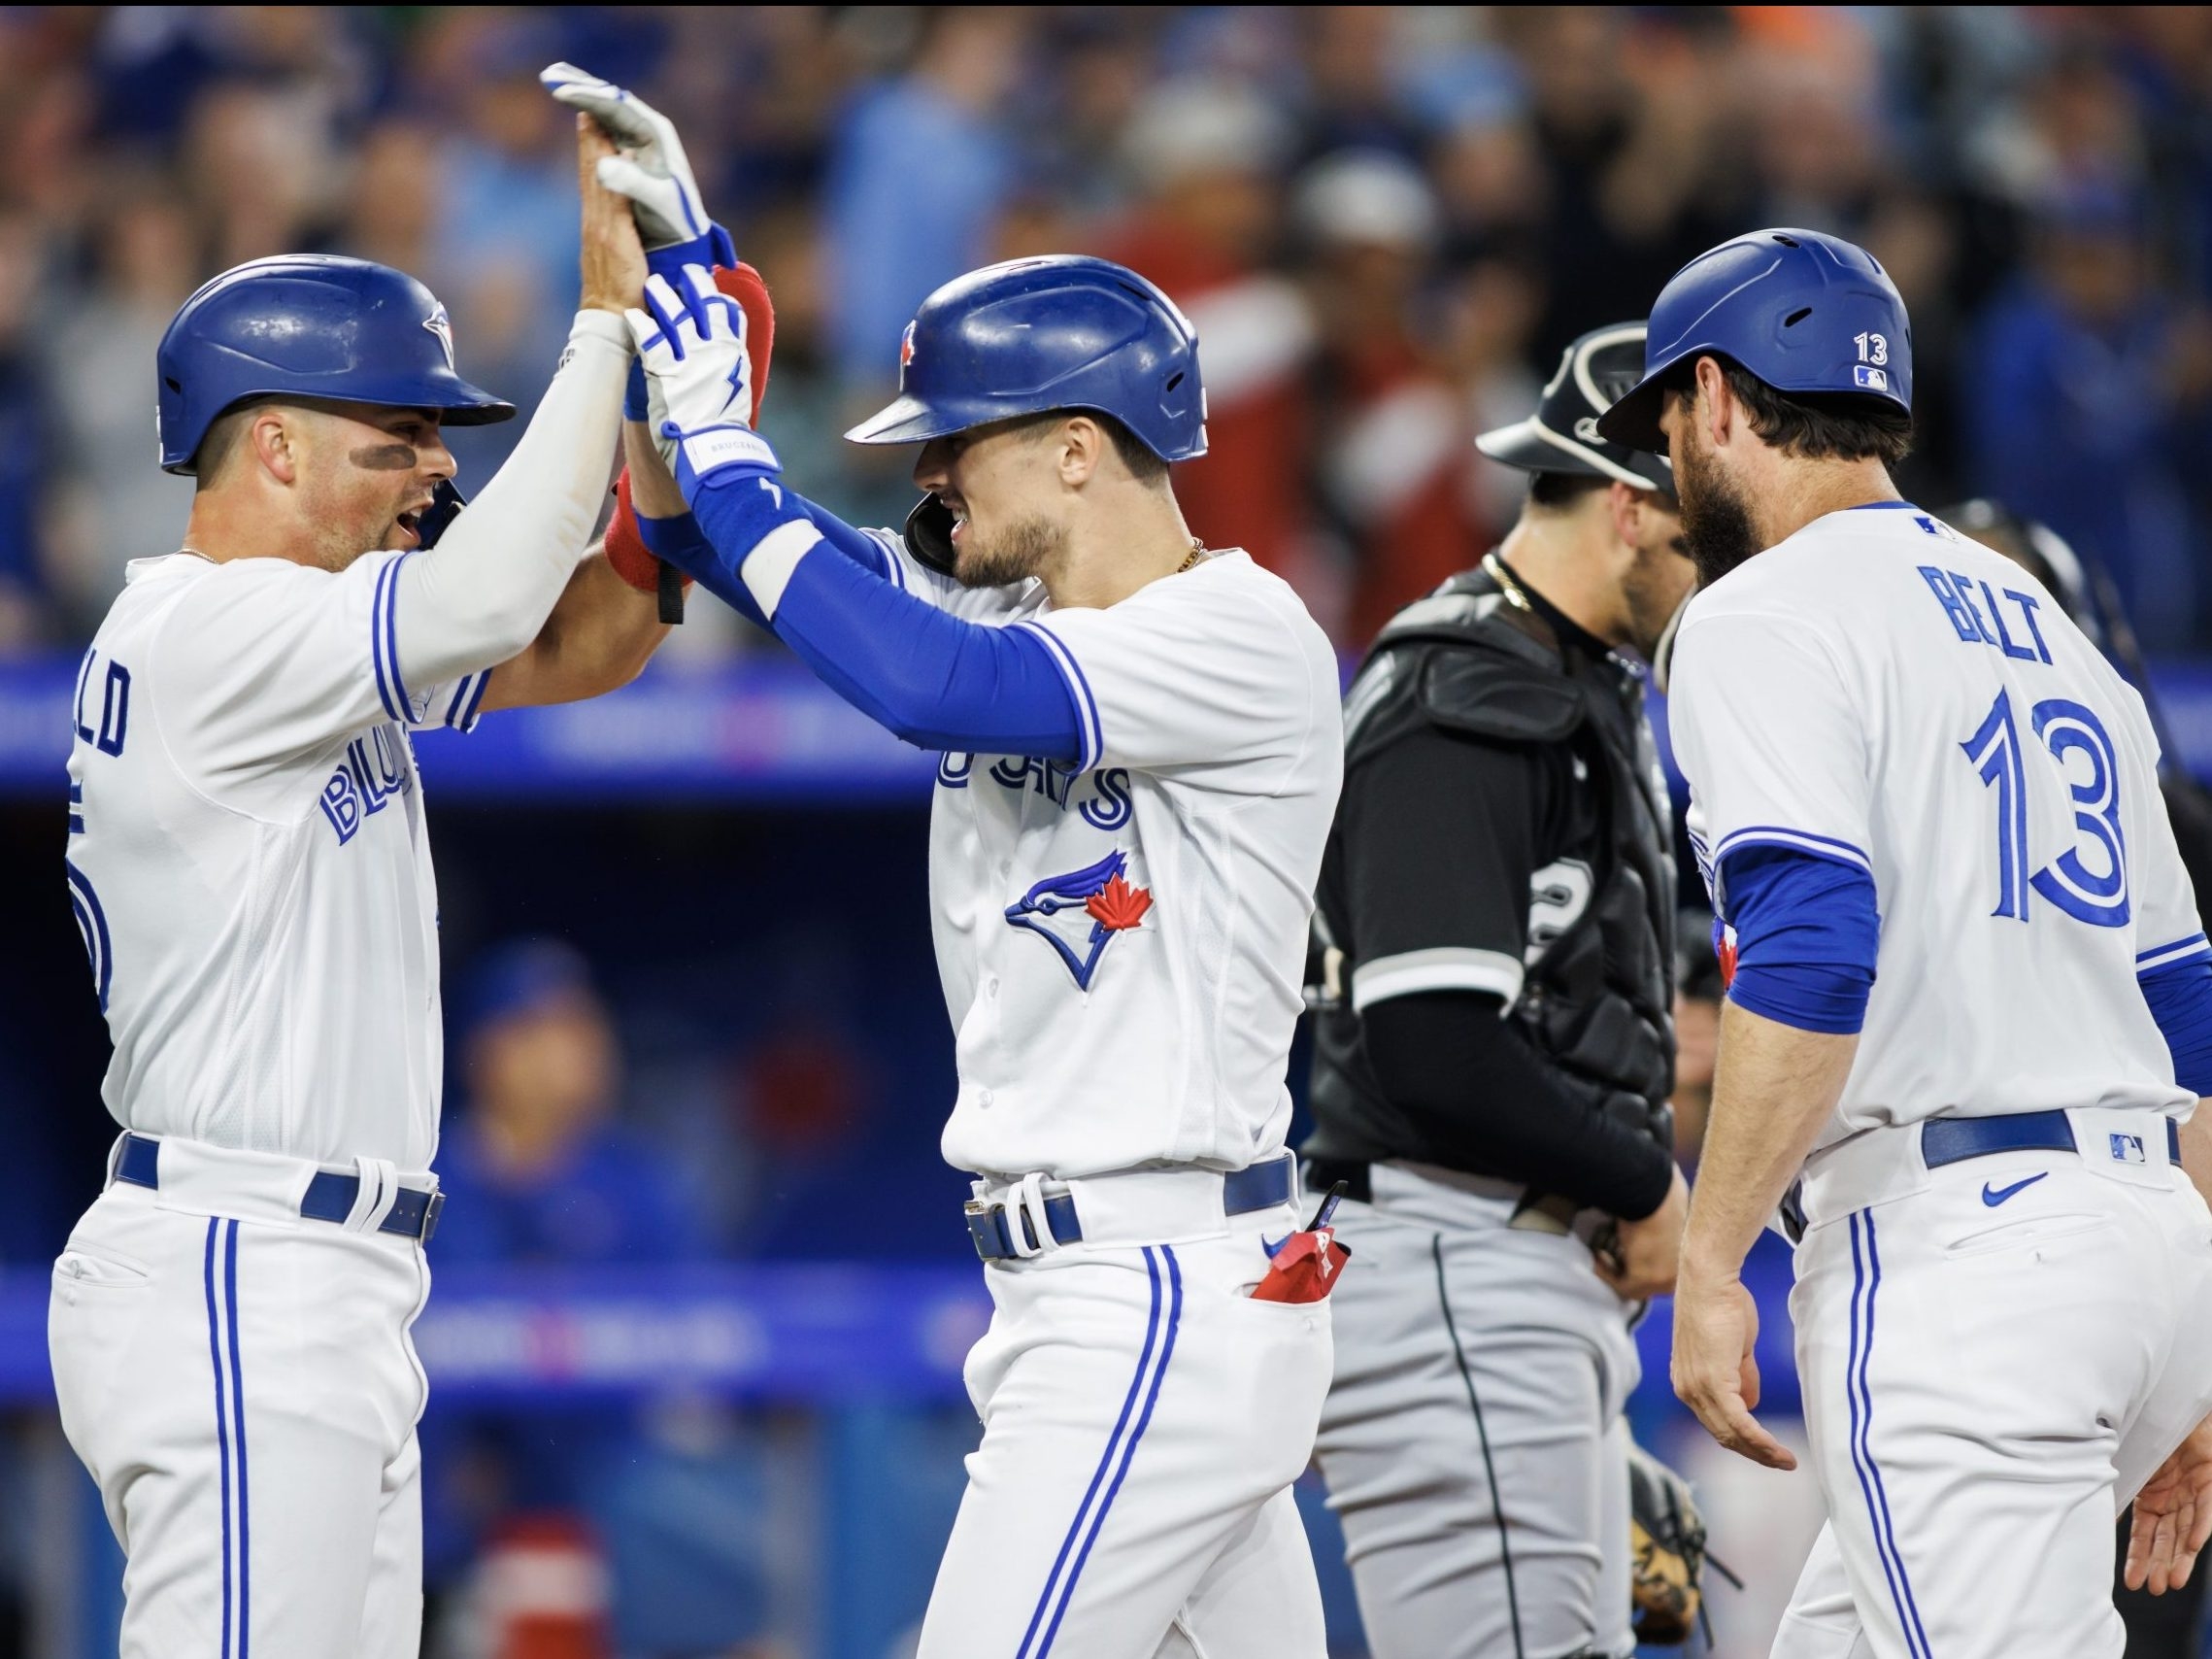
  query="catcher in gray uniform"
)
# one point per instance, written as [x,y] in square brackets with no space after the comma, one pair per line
[1493,1055]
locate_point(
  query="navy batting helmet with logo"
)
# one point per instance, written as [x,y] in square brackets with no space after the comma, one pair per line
[1063,331]
[1802,311]
[309,325]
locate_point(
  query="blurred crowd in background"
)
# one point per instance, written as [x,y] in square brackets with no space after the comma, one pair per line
[1385,220]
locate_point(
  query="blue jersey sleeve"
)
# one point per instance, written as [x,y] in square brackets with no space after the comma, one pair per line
[1806,934]
[2180,995]
[930,678]
[679,541]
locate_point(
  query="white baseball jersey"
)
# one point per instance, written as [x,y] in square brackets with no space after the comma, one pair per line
[1122,941]
[248,863]
[1880,688]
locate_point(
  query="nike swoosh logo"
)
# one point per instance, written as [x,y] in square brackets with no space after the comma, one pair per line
[1994,1196]
[1271,1249]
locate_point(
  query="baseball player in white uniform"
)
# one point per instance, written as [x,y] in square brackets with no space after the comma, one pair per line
[1141,748]
[249,864]
[1971,1004]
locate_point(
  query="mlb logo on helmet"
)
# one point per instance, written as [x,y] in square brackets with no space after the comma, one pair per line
[1870,379]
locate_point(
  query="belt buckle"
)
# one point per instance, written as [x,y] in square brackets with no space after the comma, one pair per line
[986,1228]
[431,1213]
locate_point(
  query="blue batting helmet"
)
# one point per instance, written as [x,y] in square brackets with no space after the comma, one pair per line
[1064,331]
[1802,311]
[309,325]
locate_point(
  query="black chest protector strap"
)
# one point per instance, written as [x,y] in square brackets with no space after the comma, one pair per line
[1597,1000]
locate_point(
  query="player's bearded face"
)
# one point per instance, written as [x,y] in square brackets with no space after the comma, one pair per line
[366,477]
[1716,521]
[993,482]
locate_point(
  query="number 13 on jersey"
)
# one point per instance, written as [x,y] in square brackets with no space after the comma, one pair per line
[2089,881]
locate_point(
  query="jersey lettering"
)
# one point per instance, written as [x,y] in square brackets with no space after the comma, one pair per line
[1047,778]
[113,698]
[1955,594]
[1108,805]
[1112,805]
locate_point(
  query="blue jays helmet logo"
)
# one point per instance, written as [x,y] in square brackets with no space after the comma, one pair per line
[1058,908]
[442,326]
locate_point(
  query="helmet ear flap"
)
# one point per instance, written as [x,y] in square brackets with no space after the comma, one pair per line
[929,534]
[445,504]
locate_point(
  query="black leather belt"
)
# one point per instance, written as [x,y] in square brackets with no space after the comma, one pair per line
[1258,1186]
[329,1197]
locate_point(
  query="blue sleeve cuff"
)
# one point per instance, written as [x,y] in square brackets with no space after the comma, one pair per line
[1807,933]
[676,541]
[2180,995]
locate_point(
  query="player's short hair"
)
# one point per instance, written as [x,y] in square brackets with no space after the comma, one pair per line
[1559,492]
[222,439]
[1822,425]
[1144,466]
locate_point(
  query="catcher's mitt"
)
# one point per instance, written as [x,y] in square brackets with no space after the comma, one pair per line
[1667,1538]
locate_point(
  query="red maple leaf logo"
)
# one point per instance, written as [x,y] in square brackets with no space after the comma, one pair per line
[1118,905]
[1724,947]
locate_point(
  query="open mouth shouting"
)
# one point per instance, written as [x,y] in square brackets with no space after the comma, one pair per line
[410,523]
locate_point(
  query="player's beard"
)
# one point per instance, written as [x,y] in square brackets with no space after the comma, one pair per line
[1013,555]
[1716,522]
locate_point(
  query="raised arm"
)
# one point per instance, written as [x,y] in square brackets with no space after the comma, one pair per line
[508,585]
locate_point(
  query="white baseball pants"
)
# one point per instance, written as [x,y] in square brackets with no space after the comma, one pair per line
[245,1394]
[1143,1421]
[1993,1366]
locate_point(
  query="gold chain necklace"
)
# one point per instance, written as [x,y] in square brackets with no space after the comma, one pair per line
[1198,552]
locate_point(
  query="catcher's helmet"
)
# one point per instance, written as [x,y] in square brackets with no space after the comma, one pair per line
[1563,436]
[1802,311]
[312,325]
[1063,331]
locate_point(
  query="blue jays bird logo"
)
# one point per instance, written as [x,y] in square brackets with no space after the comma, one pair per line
[440,325]
[1057,908]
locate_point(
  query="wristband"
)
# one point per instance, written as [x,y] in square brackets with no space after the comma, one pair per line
[632,560]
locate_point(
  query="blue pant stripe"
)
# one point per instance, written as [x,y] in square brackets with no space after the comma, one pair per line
[1105,1462]
[238,1434]
[1915,1629]
[1128,1455]
[1859,1400]
[1851,1401]
[221,1431]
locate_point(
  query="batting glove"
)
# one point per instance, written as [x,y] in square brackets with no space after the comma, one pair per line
[651,170]
[699,373]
